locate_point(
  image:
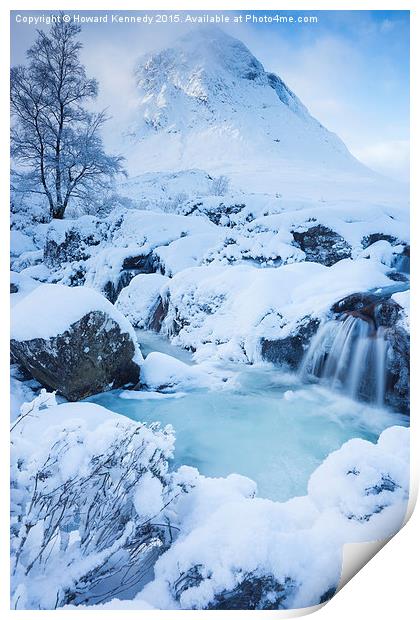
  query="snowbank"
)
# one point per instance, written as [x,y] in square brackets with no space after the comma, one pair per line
[20,243]
[186,252]
[22,284]
[354,221]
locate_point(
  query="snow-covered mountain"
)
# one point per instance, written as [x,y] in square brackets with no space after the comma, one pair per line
[207,102]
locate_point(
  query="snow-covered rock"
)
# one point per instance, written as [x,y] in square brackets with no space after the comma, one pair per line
[71,240]
[281,555]
[140,242]
[73,340]
[228,310]
[163,372]
[358,224]
[186,252]
[139,301]
[322,245]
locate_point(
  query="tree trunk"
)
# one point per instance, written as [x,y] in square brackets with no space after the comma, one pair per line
[58,212]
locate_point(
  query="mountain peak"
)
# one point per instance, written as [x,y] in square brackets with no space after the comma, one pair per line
[211,102]
[206,64]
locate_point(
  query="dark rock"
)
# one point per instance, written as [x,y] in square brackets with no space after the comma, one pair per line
[386,313]
[290,350]
[112,289]
[322,245]
[131,267]
[142,263]
[252,592]
[13,287]
[374,237]
[158,314]
[354,302]
[327,595]
[380,309]
[222,214]
[397,276]
[92,356]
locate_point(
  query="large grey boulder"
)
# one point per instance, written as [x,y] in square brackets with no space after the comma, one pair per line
[74,341]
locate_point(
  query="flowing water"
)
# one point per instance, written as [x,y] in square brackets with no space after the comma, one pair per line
[349,353]
[271,426]
[349,356]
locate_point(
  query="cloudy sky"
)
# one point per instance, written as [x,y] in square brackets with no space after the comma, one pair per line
[351,69]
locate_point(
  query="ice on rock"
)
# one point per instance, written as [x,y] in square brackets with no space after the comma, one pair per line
[76,342]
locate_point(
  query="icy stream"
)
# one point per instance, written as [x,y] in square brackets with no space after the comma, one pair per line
[270,427]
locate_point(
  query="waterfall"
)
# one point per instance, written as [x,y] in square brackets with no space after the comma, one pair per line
[350,356]
[402,263]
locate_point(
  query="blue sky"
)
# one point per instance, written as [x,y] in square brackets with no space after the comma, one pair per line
[351,69]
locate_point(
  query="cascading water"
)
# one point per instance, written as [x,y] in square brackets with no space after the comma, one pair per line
[402,263]
[349,355]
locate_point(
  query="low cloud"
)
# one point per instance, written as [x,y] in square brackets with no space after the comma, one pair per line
[390,158]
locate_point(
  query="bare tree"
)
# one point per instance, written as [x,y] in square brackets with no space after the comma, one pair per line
[55,140]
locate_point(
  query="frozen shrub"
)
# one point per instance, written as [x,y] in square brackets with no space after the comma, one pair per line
[220,186]
[88,504]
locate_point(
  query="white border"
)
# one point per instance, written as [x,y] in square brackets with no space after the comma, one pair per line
[386,586]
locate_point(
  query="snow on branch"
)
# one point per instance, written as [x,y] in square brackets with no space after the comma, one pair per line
[84,506]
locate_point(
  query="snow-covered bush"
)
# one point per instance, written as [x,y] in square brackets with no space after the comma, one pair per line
[220,186]
[90,491]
